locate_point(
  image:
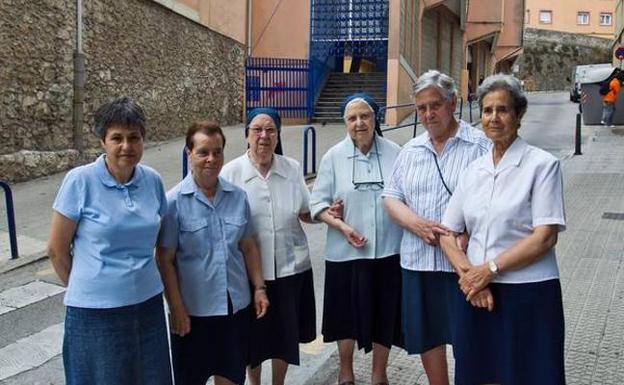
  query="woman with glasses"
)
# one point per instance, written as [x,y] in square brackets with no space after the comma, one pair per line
[362,272]
[416,195]
[278,199]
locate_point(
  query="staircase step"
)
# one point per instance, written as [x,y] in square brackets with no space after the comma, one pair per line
[341,85]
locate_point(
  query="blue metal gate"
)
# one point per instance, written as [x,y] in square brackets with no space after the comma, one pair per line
[339,28]
[279,83]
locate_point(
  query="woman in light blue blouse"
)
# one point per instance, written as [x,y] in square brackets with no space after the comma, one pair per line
[208,257]
[104,228]
[362,271]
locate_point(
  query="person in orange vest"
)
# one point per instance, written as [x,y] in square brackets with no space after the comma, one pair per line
[608,100]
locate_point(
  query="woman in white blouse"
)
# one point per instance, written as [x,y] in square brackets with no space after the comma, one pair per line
[278,199]
[509,318]
[362,272]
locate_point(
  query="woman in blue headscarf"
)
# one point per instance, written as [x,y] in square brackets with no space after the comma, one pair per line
[362,272]
[279,202]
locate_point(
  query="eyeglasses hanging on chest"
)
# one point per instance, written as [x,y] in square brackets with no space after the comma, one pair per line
[376,182]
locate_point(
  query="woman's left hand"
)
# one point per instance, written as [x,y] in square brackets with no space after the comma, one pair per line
[261,302]
[475,279]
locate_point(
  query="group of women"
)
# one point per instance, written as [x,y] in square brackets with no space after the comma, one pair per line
[449,240]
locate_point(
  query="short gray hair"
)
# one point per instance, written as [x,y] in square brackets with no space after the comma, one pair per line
[432,78]
[508,83]
[123,112]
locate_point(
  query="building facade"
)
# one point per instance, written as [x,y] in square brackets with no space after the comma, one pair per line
[588,17]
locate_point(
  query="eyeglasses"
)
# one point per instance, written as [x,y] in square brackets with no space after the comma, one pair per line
[368,185]
[433,106]
[270,131]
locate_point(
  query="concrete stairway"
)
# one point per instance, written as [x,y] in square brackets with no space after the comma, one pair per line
[339,85]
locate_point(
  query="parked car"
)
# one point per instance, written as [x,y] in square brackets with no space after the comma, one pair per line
[578,76]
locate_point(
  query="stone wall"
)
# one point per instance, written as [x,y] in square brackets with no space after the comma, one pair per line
[177,69]
[549,57]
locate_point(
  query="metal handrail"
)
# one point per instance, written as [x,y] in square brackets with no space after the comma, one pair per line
[184,163]
[10,218]
[459,114]
[310,130]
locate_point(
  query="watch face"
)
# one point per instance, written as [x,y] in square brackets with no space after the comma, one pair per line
[493,267]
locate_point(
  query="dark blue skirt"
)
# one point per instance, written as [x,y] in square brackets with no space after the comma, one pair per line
[289,321]
[519,343]
[428,309]
[216,345]
[362,302]
[124,345]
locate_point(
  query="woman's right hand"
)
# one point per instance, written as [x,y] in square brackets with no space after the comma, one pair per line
[180,322]
[354,238]
[483,299]
[429,231]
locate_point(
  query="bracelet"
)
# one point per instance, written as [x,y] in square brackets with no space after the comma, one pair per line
[260,288]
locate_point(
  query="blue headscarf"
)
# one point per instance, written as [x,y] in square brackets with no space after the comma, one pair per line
[370,101]
[271,112]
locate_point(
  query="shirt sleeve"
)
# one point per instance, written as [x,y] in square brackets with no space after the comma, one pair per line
[169,225]
[322,194]
[305,193]
[250,230]
[453,217]
[162,197]
[394,187]
[547,206]
[69,200]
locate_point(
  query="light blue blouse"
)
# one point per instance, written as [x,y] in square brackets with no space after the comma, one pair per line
[363,209]
[205,236]
[117,227]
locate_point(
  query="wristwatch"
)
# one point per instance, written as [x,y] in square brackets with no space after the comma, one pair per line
[492,266]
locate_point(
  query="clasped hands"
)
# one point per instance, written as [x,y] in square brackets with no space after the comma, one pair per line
[473,282]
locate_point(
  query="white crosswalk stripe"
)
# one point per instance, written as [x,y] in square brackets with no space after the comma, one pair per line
[30,352]
[18,297]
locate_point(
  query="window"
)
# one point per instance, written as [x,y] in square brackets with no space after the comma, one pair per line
[582,18]
[606,18]
[545,17]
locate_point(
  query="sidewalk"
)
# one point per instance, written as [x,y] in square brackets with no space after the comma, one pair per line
[590,254]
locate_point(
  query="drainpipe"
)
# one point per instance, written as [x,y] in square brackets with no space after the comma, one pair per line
[79,82]
[249,25]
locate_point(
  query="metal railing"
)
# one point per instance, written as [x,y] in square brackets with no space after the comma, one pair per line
[280,83]
[459,114]
[184,163]
[309,131]
[8,195]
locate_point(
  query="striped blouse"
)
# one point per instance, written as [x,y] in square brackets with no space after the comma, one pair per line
[415,180]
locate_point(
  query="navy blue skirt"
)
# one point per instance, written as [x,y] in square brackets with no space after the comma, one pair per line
[216,345]
[428,309]
[123,345]
[289,321]
[519,343]
[362,302]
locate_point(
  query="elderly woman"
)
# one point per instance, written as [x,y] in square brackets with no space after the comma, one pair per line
[510,201]
[279,199]
[208,256]
[104,228]
[421,184]
[362,273]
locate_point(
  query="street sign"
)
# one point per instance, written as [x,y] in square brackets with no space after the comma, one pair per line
[619,53]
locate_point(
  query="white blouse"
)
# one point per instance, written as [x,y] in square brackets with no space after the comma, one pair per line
[500,205]
[276,202]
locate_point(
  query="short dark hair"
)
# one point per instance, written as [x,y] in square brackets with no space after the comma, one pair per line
[123,112]
[206,127]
